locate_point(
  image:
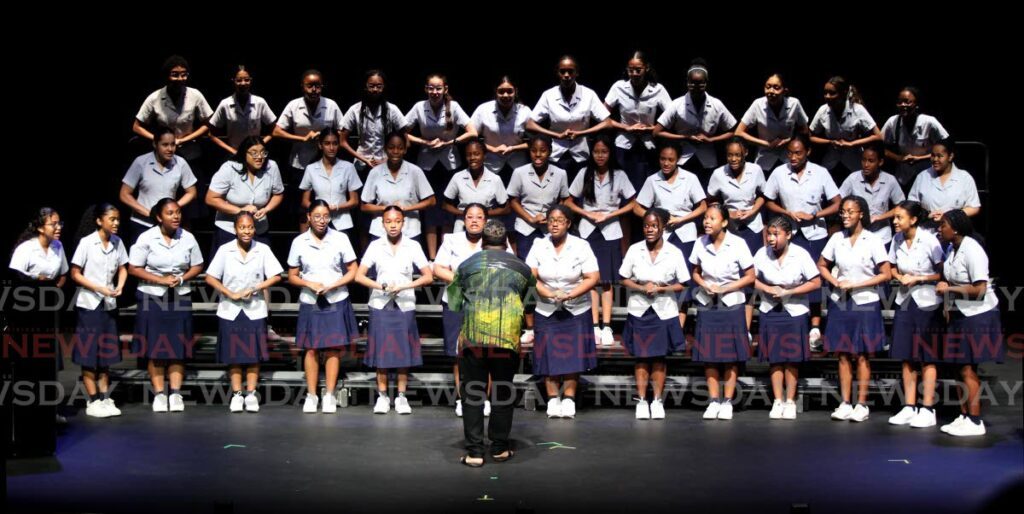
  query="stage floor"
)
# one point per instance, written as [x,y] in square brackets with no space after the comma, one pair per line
[207,460]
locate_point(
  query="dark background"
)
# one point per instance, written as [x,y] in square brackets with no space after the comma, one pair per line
[74,98]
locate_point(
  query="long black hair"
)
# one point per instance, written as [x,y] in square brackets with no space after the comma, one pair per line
[32,230]
[591,170]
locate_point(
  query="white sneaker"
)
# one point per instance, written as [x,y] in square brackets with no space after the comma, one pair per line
[956,422]
[789,410]
[904,416]
[967,428]
[607,338]
[111,408]
[842,412]
[643,410]
[554,408]
[252,403]
[383,405]
[309,406]
[568,408]
[160,403]
[96,409]
[657,409]
[329,404]
[814,338]
[712,411]
[860,413]
[402,405]
[527,336]
[177,403]
[237,403]
[924,418]
[597,336]
[776,412]
[458,408]
[725,411]
[487,408]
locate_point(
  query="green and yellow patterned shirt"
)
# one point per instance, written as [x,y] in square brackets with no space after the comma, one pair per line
[489,287]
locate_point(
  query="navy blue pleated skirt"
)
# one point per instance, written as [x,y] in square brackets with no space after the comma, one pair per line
[564,344]
[852,328]
[609,256]
[96,343]
[394,339]
[721,334]
[650,336]
[452,322]
[324,326]
[242,340]
[783,338]
[917,333]
[525,243]
[753,239]
[974,339]
[163,327]
[814,248]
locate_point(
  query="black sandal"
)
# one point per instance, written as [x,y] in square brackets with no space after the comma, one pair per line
[465,459]
[503,456]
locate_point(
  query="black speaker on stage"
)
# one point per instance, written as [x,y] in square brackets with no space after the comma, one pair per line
[30,366]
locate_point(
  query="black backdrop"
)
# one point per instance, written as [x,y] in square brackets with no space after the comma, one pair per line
[74,88]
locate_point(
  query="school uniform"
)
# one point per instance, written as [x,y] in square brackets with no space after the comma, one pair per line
[652,326]
[151,183]
[609,193]
[163,320]
[721,319]
[35,326]
[635,151]
[740,194]
[884,194]
[159,110]
[851,124]
[915,138]
[919,322]
[394,338]
[804,193]
[233,184]
[455,249]
[410,186]
[439,164]
[687,117]
[241,118]
[242,338]
[975,333]
[769,126]
[498,128]
[326,322]
[333,188]
[371,127]
[679,198]
[958,192]
[96,342]
[783,324]
[297,119]
[488,191]
[854,323]
[537,195]
[564,342]
[576,113]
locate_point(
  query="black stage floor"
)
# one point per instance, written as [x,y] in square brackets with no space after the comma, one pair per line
[280,460]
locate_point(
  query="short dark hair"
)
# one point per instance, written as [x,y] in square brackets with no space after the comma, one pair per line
[494,233]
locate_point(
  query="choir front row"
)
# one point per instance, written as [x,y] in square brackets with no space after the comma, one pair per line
[724,275]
